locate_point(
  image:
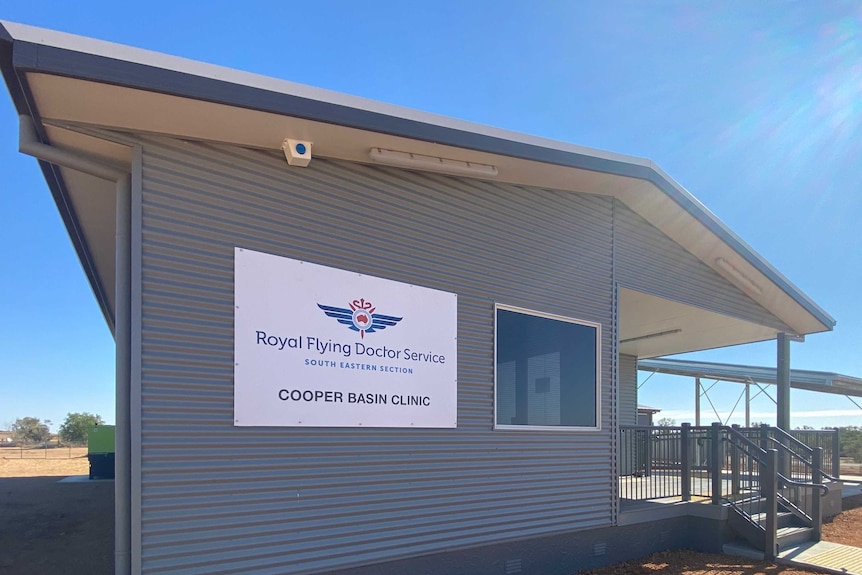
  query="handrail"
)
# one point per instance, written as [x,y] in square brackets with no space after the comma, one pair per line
[787,449]
[822,486]
[793,508]
[807,463]
[746,452]
[793,439]
[747,441]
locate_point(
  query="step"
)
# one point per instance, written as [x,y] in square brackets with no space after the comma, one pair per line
[790,536]
[742,549]
[784,519]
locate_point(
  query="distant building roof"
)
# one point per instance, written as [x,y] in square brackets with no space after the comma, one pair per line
[647,409]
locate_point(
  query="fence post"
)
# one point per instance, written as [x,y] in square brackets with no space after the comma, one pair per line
[836,453]
[734,465]
[764,436]
[769,487]
[685,460]
[648,452]
[715,465]
[816,500]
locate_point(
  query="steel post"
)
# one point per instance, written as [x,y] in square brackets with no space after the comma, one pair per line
[715,465]
[685,460]
[769,487]
[783,383]
[836,454]
[816,497]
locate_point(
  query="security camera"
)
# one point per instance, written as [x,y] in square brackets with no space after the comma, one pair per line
[297,152]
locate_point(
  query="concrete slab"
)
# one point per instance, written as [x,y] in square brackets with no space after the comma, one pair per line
[850,489]
[81,479]
[742,549]
[826,556]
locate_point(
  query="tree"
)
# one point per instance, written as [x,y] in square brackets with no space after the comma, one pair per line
[76,426]
[851,442]
[31,430]
[666,422]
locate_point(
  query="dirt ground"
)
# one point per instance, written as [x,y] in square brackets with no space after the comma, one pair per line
[59,462]
[51,527]
[693,563]
[845,528]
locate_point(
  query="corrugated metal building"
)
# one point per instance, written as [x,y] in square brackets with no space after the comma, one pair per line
[183,163]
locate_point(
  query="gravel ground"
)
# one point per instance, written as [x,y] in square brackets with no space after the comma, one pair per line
[845,528]
[693,563]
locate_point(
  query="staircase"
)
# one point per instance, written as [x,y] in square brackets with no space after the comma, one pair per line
[777,485]
[790,530]
[770,481]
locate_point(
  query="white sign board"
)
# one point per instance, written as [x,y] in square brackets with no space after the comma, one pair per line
[321,347]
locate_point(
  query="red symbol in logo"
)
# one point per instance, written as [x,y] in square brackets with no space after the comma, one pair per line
[360,317]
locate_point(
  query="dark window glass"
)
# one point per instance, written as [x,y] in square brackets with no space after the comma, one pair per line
[546,371]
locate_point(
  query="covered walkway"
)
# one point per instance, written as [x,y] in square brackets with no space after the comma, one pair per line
[757,376]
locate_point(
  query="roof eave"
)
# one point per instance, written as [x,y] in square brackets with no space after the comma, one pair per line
[31,56]
[21,99]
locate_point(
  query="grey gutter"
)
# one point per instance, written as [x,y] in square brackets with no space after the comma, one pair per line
[31,57]
[21,98]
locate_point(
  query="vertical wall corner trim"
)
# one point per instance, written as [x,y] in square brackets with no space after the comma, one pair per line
[135,380]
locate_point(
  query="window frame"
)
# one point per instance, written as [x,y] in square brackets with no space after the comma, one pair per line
[598,342]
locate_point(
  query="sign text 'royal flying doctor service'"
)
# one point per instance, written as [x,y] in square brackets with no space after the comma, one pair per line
[322,347]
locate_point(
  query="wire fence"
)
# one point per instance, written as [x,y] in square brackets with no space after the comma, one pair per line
[42,452]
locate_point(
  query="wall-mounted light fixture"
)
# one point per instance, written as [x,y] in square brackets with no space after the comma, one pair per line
[651,335]
[742,280]
[297,152]
[430,163]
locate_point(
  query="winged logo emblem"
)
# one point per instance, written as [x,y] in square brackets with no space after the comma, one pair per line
[360,317]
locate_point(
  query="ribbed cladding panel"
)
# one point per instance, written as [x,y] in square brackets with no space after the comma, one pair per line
[221,499]
[651,262]
[628,390]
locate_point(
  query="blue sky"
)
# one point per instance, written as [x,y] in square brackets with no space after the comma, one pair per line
[754,107]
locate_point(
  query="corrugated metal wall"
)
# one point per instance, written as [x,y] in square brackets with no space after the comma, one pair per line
[220,499]
[650,262]
[628,390]
[627,408]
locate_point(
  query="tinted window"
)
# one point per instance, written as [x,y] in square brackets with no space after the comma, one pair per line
[546,371]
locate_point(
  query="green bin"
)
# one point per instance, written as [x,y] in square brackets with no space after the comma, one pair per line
[100,451]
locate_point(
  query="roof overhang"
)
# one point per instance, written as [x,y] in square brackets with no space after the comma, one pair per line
[820,381]
[72,86]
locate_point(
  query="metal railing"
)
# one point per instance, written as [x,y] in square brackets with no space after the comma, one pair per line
[829,440]
[655,460]
[663,462]
[756,471]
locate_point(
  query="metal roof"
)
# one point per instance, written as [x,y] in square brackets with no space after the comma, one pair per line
[27,52]
[821,381]
[647,408]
